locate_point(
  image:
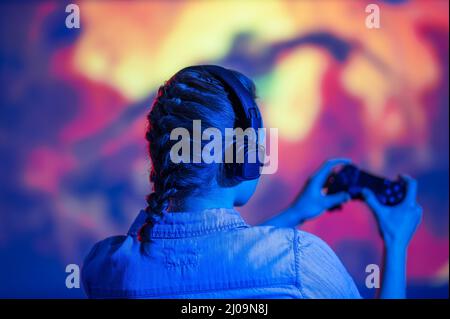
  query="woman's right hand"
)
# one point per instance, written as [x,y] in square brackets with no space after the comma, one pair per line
[397,224]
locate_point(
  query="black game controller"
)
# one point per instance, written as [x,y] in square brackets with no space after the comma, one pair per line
[352,180]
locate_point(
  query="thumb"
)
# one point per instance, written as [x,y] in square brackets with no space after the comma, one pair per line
[337,199]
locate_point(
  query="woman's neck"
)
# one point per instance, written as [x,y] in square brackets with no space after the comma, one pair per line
[223,198]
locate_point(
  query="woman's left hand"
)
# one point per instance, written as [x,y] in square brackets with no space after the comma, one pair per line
[312,202]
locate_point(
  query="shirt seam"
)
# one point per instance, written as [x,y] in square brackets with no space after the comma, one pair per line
[187,233]
[297,252]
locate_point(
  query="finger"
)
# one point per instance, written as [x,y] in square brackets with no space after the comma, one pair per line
[336,199]
[371,200]
[411,188]
[324,171]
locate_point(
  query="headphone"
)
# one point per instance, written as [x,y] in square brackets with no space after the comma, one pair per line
[247,112]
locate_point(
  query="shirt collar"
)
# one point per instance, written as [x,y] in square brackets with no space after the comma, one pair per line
[187,224]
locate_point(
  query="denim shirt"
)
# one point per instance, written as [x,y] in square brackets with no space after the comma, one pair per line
[214,254]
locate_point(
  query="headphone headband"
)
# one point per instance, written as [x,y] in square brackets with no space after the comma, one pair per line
[244,104]
[242,96]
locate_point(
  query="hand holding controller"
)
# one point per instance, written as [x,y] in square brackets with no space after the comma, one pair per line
[394,205]
[352,180]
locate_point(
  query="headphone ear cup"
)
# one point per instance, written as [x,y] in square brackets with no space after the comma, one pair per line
[235,156]
[248,166]
[230,170]
[245,163]
[229,163]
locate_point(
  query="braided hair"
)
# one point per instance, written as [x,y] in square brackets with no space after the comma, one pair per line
[191,94]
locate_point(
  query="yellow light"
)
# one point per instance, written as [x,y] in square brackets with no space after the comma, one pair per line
[294,98]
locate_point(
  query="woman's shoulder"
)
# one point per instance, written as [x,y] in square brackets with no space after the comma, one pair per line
[111,245]
[106,244]
[322,273]
[306,240]
[103,256]
[103,251]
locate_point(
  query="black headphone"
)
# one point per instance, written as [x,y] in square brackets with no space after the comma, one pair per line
[247,112]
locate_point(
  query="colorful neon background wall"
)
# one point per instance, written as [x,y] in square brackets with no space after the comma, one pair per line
[74,167]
